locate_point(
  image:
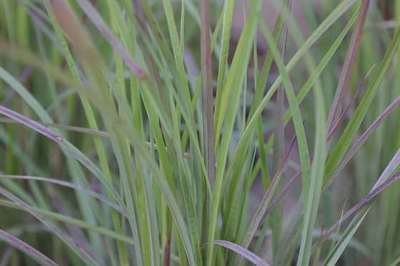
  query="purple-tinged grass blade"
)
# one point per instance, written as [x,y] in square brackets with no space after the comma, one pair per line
[71,185]
[97,20]
[383,182]
[26,248]
[390,168]
[77,247]
[207,91]
[41,129]
[344,143]
[5,259]
[245,253]
[363,137]
[342,90]
[363,202]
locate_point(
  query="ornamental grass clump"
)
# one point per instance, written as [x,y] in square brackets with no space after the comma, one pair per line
[199,132]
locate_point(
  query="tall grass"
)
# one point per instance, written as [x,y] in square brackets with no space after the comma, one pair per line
[143,133]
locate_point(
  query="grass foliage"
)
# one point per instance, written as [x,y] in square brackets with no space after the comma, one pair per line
[149,133]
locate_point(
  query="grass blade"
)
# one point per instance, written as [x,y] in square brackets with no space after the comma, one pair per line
[341,147]
[245,253]
[345,75]
[26,248]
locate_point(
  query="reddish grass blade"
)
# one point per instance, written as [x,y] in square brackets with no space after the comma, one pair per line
[208,99]
[70,24]
[342,89]
[26,248]
[245,253]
